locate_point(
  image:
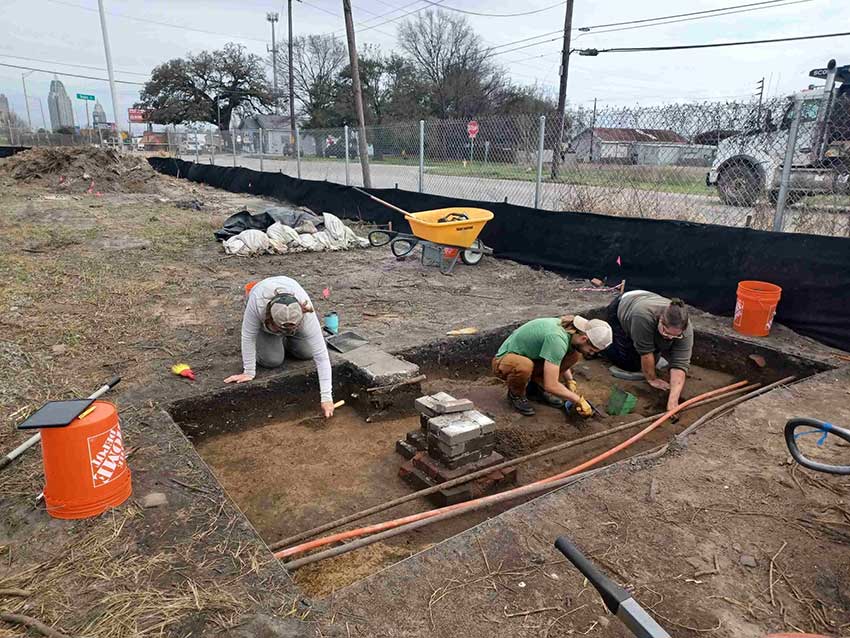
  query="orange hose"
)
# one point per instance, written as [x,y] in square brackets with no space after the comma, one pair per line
[380,527]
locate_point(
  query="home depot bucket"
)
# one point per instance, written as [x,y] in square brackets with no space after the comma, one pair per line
[756,307]
[85,469]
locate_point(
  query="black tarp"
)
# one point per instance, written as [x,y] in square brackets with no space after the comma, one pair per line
[8,151]
[701,263]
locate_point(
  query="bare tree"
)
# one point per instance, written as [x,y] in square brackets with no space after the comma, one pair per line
[452,58]
[316,61]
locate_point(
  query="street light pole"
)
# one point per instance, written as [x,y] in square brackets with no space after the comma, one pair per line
[26,97]
[292,125]
[111,74]
[273,17]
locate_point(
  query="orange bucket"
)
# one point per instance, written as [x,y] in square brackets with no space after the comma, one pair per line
[756,307]
[85,470]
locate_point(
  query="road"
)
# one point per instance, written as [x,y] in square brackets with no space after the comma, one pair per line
[612,200]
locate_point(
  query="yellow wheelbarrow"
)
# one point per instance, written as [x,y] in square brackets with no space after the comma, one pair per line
[453,231]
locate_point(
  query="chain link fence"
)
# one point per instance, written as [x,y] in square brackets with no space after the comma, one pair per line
[719,163]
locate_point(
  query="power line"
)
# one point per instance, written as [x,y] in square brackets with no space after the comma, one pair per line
[79,66]
[679,15]
[717,44]
[182,27]
[70,75]
[495,15]
[744,8]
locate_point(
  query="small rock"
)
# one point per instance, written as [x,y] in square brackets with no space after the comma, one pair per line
[747,561]
[737,547]
[597,282]
[758,360]
[603,621]
[154,499]
[59,348]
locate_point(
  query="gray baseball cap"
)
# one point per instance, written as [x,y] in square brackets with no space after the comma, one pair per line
[598,332]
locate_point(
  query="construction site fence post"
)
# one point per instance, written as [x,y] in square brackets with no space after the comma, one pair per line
[298,151]
[233,146]
[540,150]
[262,137]
[347,159]
[197,150]
[421,155]
[100,136]
[785,180]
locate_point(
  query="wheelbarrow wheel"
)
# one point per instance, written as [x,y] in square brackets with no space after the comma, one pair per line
[472,255]
[402,247]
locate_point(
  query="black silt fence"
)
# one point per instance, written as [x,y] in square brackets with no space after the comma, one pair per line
[701,263]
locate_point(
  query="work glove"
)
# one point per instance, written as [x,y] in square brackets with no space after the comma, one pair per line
[572,386]
[583,407]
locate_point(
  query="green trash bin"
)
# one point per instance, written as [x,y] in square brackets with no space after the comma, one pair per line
[621,402]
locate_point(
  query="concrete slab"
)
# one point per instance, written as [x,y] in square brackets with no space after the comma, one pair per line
[379,367]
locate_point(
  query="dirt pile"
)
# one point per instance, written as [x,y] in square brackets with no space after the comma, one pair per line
[82,169]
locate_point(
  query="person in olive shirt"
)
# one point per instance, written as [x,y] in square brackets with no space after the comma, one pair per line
[538,356]
[647,326]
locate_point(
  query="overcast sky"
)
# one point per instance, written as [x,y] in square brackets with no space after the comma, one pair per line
[55,34]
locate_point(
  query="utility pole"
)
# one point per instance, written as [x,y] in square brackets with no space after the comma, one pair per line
[562,91]
[26,97]
[273,17]
[358,95]
[115,107]
[291,78]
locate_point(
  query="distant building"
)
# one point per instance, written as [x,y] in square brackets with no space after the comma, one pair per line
[98,118]
[4,107]
[653,147]
[59,104]
[266,134]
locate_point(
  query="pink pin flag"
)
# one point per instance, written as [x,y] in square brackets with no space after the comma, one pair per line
[619,261]
[326,293]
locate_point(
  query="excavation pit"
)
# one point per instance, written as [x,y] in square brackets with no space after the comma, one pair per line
[290,471]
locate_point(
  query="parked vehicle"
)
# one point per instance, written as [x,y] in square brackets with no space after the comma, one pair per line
[749,165]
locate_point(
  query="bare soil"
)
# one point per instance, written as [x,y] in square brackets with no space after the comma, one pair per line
[293,474]
[130,283]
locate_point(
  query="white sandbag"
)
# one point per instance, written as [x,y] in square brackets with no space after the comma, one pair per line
[281,237]
[248,243]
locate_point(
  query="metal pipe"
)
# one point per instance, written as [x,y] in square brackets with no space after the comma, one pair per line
[110,73]
[540,146]
[421,155]
[347,158]
[480,473]
[298,151]
[785,182]
[262,141]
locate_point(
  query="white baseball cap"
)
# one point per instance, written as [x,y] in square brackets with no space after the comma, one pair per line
[598,332]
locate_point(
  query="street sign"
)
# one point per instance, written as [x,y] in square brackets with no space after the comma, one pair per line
[472,129]
[84,96]
[137,115]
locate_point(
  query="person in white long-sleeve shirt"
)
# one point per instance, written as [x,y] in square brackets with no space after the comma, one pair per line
[279,319]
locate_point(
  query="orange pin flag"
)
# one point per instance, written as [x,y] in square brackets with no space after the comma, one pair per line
[182,370]
[326,293]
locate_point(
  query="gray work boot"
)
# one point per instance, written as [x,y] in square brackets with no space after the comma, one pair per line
[520,404]
[537,393]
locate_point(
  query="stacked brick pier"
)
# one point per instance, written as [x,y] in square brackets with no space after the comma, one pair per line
[454,439]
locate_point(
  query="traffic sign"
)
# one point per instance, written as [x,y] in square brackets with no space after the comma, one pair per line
[472,129]
[85,96]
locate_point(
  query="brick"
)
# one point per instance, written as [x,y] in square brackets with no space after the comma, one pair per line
[441,473]
[417,439]
[436,404]
[461,426]
[455,405]
[457,432]
[379,367]
[423,423]
[455,450]
[405,449]
[463,457]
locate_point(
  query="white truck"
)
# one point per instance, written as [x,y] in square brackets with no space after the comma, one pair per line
[749,165]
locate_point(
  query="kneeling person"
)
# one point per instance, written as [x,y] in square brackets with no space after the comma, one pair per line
[539,355]
[279,319]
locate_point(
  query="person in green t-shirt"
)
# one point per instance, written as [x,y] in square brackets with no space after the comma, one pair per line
[539,355]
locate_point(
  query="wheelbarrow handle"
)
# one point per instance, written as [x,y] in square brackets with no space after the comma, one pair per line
[381,201]
[612,594]
[827,428]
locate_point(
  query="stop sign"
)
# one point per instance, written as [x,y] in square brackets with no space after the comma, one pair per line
[472,129]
